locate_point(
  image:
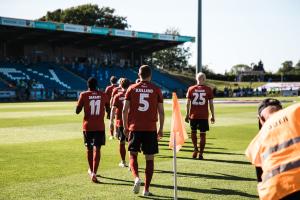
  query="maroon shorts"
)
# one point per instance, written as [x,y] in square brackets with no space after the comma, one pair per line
[93,138]
[143,140]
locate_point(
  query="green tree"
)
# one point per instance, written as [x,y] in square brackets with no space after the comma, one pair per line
[88,14]
[174,57]
[287,67]
[297,66]
[206,70]
[236,69]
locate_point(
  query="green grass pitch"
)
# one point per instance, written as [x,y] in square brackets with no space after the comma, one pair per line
[42,157]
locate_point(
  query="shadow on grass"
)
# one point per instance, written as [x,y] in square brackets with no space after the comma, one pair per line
[192,147]
[216,191]
[212,160]
[207,152]
[230,161]
[218,176]
[185,143]
[123,182]
[162,197]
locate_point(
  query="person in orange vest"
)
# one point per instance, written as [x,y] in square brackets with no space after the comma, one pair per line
[275,151]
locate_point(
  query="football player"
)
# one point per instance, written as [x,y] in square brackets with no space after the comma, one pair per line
[143,104]
[117,107]
[199,96]
[94,103]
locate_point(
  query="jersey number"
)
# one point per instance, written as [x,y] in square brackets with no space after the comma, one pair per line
[144,104]
[199,99]
[95,107]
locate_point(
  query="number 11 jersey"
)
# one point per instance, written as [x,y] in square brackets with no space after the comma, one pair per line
[144,98]
[199,96]
[93,103]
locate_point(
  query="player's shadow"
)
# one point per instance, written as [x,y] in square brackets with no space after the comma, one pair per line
[213,160]
[217,176]
[230,161]
[216,191]
[123,183]
[130,183]
[191,146]
[162,197]
[186,144]
[207,152]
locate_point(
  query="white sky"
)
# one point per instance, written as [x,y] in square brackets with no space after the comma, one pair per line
[234,31]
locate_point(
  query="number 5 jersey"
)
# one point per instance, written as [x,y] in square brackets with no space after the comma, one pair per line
[93,103]
[144,98]
[199,96]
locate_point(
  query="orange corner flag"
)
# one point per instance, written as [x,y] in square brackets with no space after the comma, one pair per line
[178,133]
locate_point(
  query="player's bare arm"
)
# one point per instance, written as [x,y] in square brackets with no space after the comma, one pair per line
[112,117]
[161,114]
[111,101]
[78,109]
[212,110]
[188,107]
[125,116]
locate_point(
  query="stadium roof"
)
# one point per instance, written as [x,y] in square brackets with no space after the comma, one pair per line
[31,32]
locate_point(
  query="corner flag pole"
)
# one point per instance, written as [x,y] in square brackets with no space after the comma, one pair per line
[177,136]
[175,167]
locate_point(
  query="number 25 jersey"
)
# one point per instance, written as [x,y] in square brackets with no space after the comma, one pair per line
[199,96]
[93,103]
[144,98]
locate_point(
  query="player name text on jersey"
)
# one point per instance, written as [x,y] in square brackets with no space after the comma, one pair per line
[199,90]
[94,97]
[144,90]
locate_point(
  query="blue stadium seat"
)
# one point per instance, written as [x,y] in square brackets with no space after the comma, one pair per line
[51,75]
[3,86]
[165,81]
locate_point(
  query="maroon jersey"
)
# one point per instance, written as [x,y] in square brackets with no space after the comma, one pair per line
[199,96]
[109,90]
[144,98]
[118,102]
[93,103]
[116,90]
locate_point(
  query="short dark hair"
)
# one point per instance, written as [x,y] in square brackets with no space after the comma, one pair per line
[113,80]
[269,102]
[266,103]
[92,83]
[125,83]
[145,71]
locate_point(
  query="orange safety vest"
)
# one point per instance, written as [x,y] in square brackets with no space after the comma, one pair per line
[276,149]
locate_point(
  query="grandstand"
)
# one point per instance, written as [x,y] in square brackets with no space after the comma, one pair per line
[58,58]
[3,86]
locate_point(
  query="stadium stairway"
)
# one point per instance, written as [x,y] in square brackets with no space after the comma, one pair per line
[52,76]
[168,81]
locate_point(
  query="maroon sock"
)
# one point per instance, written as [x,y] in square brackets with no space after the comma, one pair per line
[134,166]
[96,160]
[111,132]
[194,139]
[122,151]
[89,155]
[148,173]
[202,142]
